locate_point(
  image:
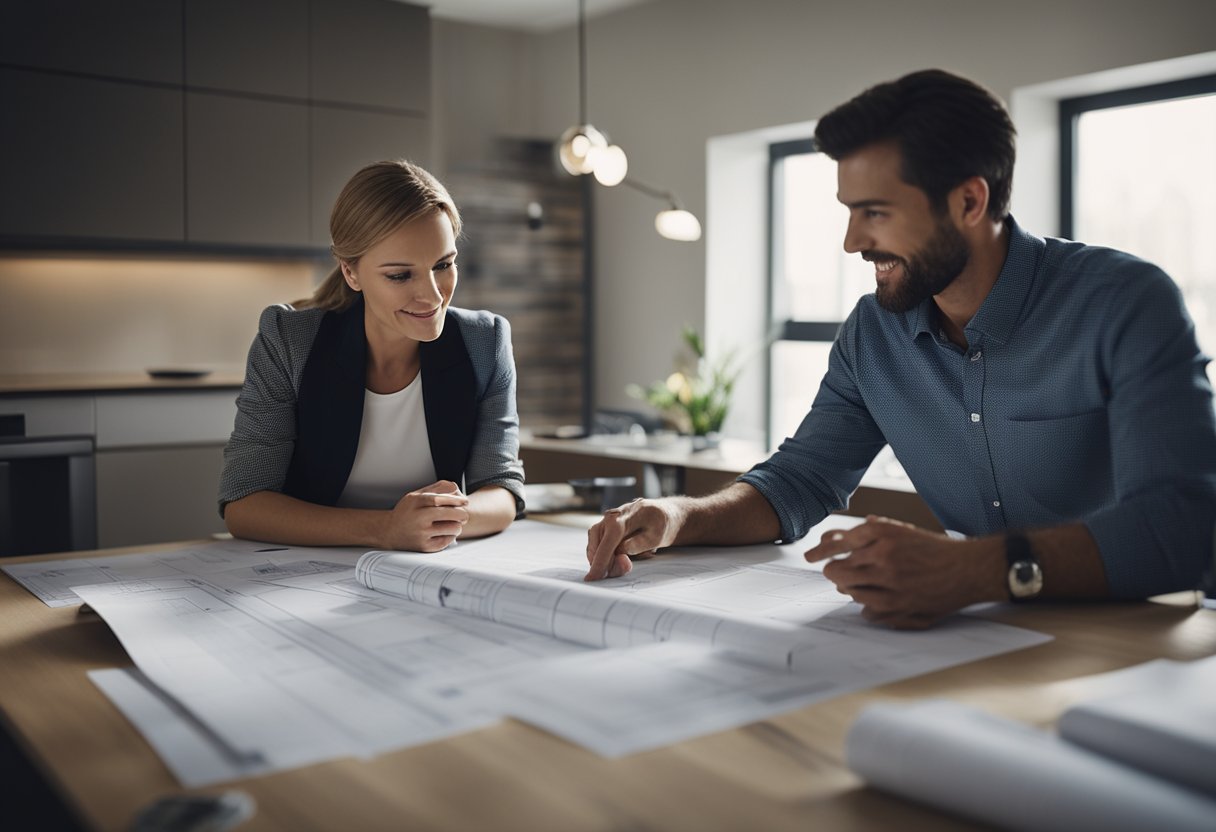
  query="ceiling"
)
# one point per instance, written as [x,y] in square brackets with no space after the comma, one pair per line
[529,15]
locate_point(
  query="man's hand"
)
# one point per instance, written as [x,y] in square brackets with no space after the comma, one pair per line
[427,520]
[907,577]
[635,530]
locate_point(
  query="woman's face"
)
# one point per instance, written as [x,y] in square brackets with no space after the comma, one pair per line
[407,279]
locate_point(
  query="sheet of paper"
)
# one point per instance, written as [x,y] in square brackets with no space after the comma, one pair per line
[762,580]
[286,659]
[622,701]
[188,747]
[52,580]
[1011,775]
[802,641]
[302,664]
[763,602]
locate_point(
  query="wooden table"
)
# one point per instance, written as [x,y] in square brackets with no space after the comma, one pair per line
[782,773]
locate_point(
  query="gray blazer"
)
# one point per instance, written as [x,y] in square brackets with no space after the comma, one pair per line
[301,409]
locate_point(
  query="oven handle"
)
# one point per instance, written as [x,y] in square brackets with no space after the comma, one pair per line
[34,448]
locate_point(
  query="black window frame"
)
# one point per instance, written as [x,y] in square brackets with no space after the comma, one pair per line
[1071,109]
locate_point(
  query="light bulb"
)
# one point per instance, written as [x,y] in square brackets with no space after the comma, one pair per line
[609,165]
[678,224]
[578,144]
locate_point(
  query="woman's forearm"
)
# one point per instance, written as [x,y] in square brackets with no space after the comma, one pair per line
[491,509]
[278,518]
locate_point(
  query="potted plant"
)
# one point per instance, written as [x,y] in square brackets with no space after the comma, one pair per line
[696,397]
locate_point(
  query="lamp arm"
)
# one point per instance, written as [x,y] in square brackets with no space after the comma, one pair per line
[666,196]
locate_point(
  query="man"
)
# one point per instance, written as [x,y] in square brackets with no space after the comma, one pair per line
[1048,399]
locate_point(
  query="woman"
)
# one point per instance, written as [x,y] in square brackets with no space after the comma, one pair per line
[373,413]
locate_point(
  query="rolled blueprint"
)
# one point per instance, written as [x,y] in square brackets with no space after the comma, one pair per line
[1163,721]
[1011,775]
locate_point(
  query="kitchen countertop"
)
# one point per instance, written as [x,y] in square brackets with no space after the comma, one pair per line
[24,384]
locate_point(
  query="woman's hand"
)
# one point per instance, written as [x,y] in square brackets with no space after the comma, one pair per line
[427,520]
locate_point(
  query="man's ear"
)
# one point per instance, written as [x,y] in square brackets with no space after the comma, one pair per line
[348,274]
[969,201]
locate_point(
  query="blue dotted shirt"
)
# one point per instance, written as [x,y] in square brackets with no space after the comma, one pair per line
[1082,397]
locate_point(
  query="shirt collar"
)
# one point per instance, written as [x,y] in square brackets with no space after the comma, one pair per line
[999,312]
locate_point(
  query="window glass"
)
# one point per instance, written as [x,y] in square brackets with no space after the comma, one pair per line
[1145,183]
[820,282]
[813,280]
[798,368]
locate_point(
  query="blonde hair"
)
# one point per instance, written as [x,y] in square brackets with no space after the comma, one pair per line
[379,199]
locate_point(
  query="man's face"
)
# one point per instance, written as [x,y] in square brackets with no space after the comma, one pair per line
[916,252]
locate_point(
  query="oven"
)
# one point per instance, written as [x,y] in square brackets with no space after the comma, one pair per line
[47,494]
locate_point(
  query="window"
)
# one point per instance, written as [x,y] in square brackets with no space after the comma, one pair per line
[1138,173]
[813,284]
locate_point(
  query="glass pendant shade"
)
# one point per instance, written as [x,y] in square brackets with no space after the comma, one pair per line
[678,224]
[609,164]
[578,146]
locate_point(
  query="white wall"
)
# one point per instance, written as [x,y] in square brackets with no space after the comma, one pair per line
[669,75]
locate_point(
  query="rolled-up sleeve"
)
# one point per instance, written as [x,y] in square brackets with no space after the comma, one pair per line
[260,448]
[813,472]
[1158,536]
[494,456]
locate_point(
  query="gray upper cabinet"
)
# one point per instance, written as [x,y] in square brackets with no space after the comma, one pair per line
[371,53]
[255,47]
[345,140]
[136,39]
[246,171]
[185,124]
[81,157]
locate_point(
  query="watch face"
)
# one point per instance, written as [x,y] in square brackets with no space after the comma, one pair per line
[1025,579]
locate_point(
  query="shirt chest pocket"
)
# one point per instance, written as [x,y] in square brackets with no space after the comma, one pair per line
[1062,464]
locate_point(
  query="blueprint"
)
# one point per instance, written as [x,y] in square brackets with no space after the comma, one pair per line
[52,580]
[254,661]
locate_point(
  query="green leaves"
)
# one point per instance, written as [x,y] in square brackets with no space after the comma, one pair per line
[697,396]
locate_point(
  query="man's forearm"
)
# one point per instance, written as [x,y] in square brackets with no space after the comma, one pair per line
[1071,562]
[736,515]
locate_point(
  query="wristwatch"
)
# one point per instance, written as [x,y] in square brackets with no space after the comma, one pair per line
[1025,577]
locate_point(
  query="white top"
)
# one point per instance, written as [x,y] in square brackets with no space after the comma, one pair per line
[394,455]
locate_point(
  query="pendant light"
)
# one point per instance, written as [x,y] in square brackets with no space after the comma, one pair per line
[583,149]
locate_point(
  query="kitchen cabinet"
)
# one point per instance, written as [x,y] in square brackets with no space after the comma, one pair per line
[158,463]
[83,157]
[371,53]
[238,46]
[157,495]
[138,40]
[343,140]
[109,143]
[246,171]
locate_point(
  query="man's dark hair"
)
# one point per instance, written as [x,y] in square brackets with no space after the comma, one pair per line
[948,129]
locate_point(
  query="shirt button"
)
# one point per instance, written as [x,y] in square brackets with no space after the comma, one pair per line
[996,503]
[975,417]
[975,356]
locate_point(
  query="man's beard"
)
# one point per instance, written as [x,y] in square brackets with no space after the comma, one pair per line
[927,273]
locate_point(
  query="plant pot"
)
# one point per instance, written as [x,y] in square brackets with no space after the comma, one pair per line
[705,442]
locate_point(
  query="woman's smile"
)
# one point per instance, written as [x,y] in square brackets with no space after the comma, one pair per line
[428,314]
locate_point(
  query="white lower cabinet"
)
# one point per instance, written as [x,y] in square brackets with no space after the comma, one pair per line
[157,495]
[159,456]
